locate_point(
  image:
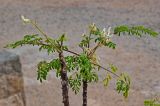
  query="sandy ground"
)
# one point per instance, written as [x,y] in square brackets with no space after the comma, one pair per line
[138,57]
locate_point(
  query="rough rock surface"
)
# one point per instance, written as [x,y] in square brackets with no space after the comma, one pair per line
[11,80]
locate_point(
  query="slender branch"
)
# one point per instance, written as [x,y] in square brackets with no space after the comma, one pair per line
[44,34]
[93,63]
[39,29]
[106,69]
[72,52]
[89,39]
[94,49]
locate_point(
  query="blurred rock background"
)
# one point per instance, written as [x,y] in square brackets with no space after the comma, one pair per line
[138,57]
[11,80]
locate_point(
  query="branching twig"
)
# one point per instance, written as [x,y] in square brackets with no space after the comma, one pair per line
[93,63]
[94,49]
[105,69]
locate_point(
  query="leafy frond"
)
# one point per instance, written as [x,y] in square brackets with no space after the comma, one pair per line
[110,45]
[27,39]
[105,42]
[49,44]
[75,83]
[85,40]
[123,84]
[56,65]
[107,79]
[134,30]
[113,68]
[72,64]
[151,103]
[43,69]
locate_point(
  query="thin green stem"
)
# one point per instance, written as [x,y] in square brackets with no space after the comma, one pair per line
[89,39]
[94,50]
[39,29]
[45,35]
[106,69]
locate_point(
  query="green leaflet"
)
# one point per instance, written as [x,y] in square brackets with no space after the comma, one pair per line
[110,45]
[62,38]
[106,80]
[134,30]
[113,68]
[123,84]
[85,40]
[43,69]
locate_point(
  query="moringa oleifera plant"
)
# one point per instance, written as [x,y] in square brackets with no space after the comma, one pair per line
[82,66]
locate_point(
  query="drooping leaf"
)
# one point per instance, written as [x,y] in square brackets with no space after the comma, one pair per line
[110,45]
[107,79]
[113,68]
[123,84]
[75,83]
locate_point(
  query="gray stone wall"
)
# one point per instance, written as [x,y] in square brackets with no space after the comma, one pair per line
[11,80]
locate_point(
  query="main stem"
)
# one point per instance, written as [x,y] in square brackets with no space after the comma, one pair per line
[85,85]
[64,79]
